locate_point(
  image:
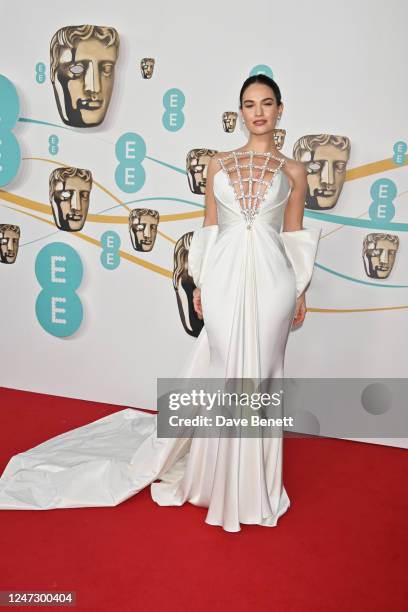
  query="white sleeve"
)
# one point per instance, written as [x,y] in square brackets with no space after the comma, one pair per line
[301,248]
[201,244]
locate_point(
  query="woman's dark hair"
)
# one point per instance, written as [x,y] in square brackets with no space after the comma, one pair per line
[261,78]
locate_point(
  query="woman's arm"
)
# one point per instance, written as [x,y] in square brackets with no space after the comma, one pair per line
[210,217]
[294,211]
[293,222]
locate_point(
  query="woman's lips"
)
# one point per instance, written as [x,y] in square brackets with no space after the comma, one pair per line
[260,122]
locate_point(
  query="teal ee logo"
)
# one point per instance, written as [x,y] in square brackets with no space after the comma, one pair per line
[10,155]
[40,75]
[261,69]
[400,152]
[110,242]
[383,192]
[173,116]
[130,152]
[59,271]
[53,142]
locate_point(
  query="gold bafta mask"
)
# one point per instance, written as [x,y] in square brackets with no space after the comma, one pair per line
[379,251]
[325,157]
[184,286]
[229,121]
[82,72]
[147,67]
[279,137]
[9,242]
[197,163]
[143,224]
[70,190]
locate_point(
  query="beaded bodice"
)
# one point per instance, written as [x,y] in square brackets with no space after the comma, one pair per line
[250,175]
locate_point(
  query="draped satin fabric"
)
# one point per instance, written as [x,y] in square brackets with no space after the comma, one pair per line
[248,296]
[249,281]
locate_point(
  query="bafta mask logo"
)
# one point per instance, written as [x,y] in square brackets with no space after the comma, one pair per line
[229,121]
[325,157]
[184,286]
[279,137]
[143,224]
[379,251]
[82,72]
[70,189]
[197,164]
[147,67]
[9,242]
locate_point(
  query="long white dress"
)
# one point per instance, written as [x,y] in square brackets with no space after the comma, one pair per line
[250,273]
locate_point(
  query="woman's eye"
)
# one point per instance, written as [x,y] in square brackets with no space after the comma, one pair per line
[77,69]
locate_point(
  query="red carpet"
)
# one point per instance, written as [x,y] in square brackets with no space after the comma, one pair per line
[342,545]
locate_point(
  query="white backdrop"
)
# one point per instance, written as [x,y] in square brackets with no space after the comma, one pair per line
[341,70]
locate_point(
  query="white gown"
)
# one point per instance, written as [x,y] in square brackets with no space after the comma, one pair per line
[249,280]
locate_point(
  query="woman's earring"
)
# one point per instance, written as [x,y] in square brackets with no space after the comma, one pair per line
[243,124]
[279,135]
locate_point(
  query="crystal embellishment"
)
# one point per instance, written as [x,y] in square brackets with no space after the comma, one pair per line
[250,200]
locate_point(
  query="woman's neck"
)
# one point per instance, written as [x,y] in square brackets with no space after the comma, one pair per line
[262,145]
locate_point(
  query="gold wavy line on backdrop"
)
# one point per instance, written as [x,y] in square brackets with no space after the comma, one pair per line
[123,254]
[57,163]
[169,274]
[92,217]
[116,219]
[351,175]
[356,309]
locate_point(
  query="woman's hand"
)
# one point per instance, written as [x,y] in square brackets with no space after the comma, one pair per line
[197,302]
[300,312]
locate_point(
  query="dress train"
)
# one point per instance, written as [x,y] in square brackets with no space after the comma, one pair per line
[261,271]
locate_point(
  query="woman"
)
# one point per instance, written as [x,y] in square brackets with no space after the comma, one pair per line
[251,262]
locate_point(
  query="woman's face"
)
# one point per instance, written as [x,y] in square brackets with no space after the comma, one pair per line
[259,108]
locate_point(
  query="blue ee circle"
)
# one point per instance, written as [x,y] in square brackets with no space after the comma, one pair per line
[261,69]
[59,271]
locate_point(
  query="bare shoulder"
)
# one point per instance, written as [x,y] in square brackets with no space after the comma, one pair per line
[213,164]
[220,155]
[295,171]
[296,168]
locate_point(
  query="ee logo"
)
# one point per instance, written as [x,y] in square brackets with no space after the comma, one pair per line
[261,69]
[130,151]
[110,242]
[53,142]
[173,117]
[40,74]
[59,271]
[400,152]
[383,192]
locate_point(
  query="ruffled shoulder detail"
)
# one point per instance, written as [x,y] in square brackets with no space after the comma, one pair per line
[301,248]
